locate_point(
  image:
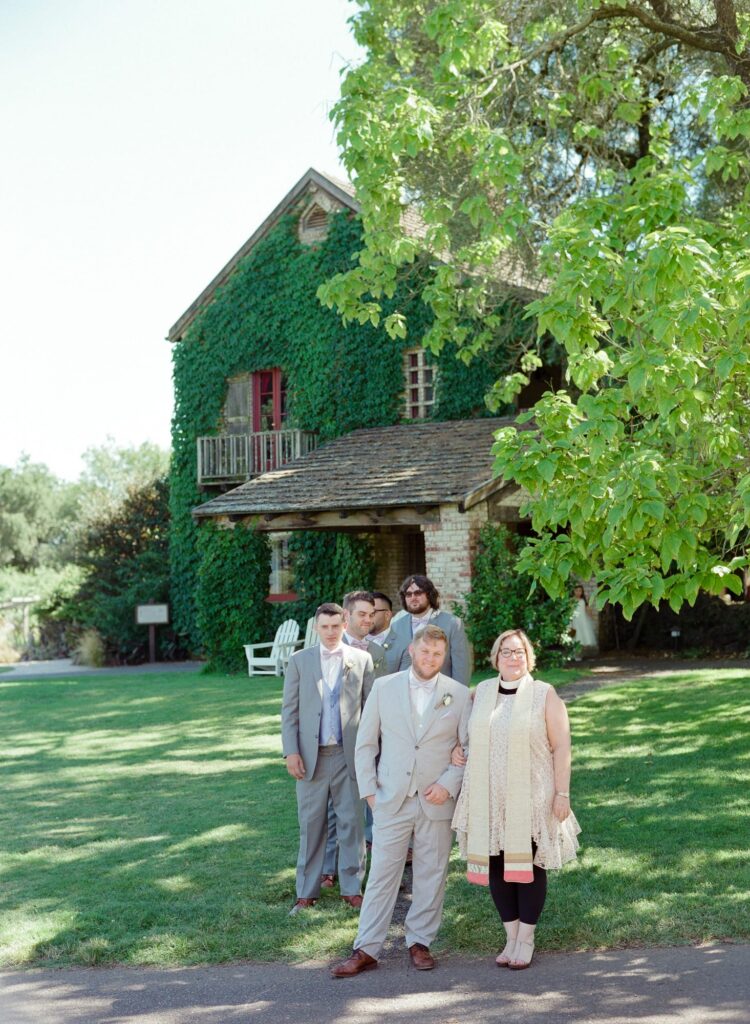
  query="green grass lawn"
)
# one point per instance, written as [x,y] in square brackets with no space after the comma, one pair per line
[149,819]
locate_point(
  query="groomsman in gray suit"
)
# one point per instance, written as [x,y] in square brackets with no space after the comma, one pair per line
[325,689]
[382,632]
[359,610]
[414,719]
[359,613]
[420,598]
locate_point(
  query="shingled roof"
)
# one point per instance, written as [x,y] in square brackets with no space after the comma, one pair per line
[415,464]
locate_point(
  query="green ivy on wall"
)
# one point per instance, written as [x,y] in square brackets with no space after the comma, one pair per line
[230,594]
[338,378]
[326,566]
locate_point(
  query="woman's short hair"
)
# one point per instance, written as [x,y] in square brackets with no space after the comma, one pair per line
[525,643]
[423,583]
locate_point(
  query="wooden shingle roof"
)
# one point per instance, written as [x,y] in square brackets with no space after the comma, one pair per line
[414,464]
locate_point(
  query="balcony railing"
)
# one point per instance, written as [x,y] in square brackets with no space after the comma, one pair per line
[233,458]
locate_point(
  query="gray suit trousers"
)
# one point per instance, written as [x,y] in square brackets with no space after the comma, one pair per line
[330,778]
[390,842]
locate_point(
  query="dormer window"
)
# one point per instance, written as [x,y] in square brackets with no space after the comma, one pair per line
[313,225]
[419,384]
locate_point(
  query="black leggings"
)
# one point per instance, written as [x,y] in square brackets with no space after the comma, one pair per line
[522,901]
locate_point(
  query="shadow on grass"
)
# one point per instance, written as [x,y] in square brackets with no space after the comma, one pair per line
[152,821]
[661,769]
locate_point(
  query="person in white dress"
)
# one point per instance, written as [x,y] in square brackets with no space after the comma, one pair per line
[581,622]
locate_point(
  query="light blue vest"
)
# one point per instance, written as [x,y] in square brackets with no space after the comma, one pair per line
[330,718]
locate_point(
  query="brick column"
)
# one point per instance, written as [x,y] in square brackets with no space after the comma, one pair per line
[449,550]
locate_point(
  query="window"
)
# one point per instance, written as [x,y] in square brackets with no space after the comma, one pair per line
[236,418]
[269,400]
[281,580]
[313,225]
[419,380]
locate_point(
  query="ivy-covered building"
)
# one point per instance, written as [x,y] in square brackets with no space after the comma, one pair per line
[311,457]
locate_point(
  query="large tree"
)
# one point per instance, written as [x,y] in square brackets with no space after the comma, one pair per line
[595,156]
[33,524]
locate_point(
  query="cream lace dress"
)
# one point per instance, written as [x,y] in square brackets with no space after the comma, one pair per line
[556,841]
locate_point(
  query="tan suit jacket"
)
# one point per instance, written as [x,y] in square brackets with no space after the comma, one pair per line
[407,754]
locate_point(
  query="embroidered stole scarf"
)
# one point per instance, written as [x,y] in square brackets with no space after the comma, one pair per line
[518,857]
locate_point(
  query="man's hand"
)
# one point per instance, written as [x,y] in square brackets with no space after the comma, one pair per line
[457,756]
[436,794]
[295,766]
[370,802]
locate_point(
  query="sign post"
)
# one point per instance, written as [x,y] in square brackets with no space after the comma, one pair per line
[152,615]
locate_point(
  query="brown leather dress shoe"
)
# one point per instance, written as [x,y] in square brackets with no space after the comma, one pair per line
[421,957]
[359,961]
[353,901]
[301,904]
[327,881]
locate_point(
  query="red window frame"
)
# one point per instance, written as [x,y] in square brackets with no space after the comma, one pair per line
[269,386]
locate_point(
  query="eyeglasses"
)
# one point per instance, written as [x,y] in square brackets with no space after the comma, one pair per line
[519,652]
[414,593]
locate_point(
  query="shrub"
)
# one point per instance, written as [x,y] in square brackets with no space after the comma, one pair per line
[502,598]
[90,650]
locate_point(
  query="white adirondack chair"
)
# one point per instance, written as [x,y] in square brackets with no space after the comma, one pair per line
[311,635]
[279,650]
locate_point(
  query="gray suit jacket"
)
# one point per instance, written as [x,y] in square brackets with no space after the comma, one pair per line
[303,703]
[387,727]
[457,662]
[395,646]
[377,654]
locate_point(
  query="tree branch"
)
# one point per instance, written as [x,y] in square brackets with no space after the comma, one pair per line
[720,38]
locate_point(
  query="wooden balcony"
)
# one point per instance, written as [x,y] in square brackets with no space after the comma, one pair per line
[234,458]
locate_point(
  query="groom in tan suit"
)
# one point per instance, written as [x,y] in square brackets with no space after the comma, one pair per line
[414,719]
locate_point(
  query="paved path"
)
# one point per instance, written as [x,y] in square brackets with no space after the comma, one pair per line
[612,671]
[686,985]
[63,668]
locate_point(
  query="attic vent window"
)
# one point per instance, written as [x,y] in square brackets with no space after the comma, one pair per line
[419,384]
[313,225]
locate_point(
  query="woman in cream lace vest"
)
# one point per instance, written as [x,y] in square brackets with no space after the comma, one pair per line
[513,815]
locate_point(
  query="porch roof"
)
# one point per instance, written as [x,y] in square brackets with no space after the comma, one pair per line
[410,465]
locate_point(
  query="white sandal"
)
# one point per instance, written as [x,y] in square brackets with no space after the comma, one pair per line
[521,952]
[504,958]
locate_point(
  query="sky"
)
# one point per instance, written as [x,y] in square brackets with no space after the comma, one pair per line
[143,142]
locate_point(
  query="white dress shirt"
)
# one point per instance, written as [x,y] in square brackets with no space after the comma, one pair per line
[421,692]
[331,663]
[417,621]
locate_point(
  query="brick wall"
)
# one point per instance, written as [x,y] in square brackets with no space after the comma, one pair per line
[392,559]
[449,550]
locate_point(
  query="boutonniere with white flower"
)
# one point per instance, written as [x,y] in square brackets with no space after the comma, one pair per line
[387,647]
[348,665]
[445,702]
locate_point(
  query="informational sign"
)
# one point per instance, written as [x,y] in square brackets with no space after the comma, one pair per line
[152,614]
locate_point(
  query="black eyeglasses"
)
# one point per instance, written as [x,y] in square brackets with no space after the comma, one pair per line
[414,593]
